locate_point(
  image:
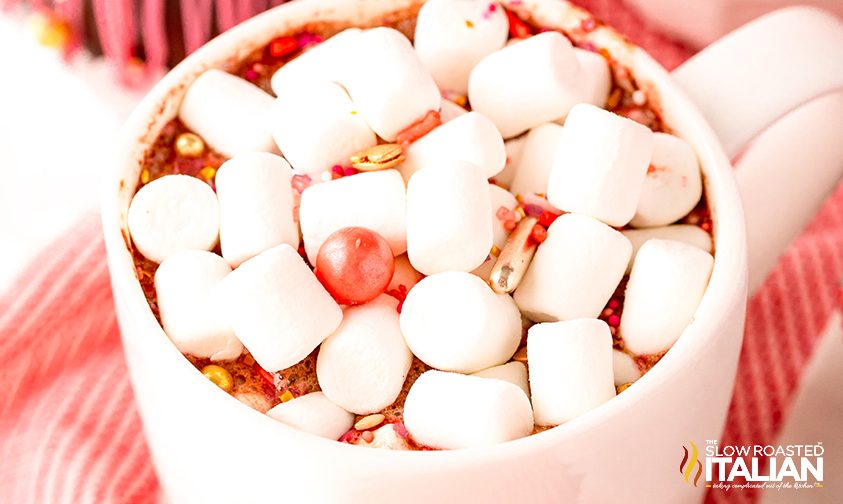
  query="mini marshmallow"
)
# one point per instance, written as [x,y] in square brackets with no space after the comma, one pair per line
[596,74]
[173,213]
[685,233]
[570,368]
[575,270]
[501,198]
[673,185]
[624,368]
[470,137]
[404,275]
[184,283]
[666,285]
[540,147]
[321,63]
[449,218]
[512,372]
[450,111]
[256,205]
[600,166]
[450,410]
[452,36]
[514,148]
[400,93]
[454,321]
[532,82]
[373,200]
[363,364]
[314,413]
[277,307]
[230,113]
[316,127]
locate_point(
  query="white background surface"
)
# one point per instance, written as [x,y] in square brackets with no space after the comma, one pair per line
[58,123]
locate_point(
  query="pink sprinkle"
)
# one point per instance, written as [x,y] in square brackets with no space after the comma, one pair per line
[614,321]
[613,304]
[588,24]
[399,429]
[503,213]
[250,74]
[337,169]
[308,39]
[347,172]
[300,182]
[516,2]
[493,7]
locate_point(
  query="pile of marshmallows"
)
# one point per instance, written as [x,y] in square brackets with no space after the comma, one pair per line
[360,86]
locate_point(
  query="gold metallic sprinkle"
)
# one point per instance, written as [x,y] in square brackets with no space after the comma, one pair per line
[367,422]
[190,145]
[379,157]
[219,375]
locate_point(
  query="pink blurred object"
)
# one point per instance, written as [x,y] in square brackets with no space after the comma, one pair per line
[700,22]
[69,431]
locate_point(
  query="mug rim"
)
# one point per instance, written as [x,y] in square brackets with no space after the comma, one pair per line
[726,289]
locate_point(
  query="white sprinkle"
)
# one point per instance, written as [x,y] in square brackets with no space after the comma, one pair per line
[639,97]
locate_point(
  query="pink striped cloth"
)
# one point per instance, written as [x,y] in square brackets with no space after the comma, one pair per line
[69,431]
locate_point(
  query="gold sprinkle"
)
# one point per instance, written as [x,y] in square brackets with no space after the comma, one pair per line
[370,421]
[460,100]
[208,173]
[622,387]
[286,396]
[469,24]
[190,145]
[496,251]
[520,211]
[219,375]
[379,157]
[145,176]
[521,355]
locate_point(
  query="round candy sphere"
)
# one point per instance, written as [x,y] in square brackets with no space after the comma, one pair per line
[355,265]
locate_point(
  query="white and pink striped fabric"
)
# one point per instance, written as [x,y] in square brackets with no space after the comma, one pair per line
[69,431]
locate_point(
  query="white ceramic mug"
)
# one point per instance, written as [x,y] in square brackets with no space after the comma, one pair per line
[207,447]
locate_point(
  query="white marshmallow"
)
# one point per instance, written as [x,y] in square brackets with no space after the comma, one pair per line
[540,147]
[173,213]
[374,200]
[404,274]
[450,111]
[596,74]
[314,413]
[665,287]
[277,307]
[256,205]
[321,63]
[570,368]
[450,410]
[229,113]
[512,372]
[532,82]
[514,148]
[317,127]
[685,233]
[673,185]
[500,198]
[600,166]
[575,270]
[453,321]
[363,364]
[624,368]
[395,98]
[184,283]
[470,137]
[452,36]
[449,218]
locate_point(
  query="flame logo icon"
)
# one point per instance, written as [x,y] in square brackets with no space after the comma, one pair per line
[686,467]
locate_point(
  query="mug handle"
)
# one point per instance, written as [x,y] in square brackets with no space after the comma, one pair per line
[747,81]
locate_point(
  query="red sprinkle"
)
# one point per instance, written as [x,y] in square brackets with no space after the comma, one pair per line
[538,234]
[400,294]
[264,374]
[614,320]
[546,218]
[300,182]
[283,46]
[336,169]
[517,28]
[347,172]
[706,226]
[419,128]
[368,436]
[614,303]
